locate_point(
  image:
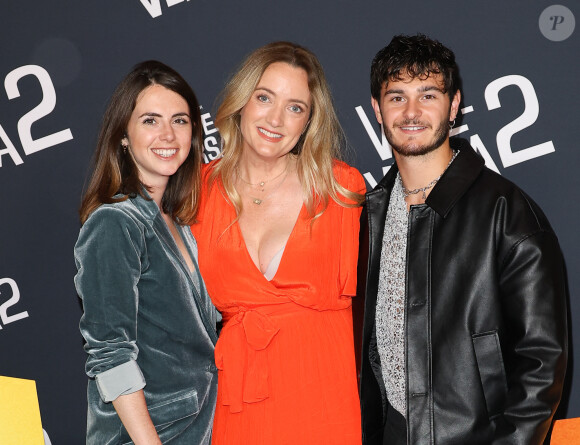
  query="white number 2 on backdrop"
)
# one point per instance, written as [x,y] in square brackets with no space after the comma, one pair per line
[45,107]
[15,298]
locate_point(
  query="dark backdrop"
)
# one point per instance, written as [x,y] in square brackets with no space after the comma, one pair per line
[60,60]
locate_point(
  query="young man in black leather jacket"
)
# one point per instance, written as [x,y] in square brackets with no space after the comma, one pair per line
[464,338]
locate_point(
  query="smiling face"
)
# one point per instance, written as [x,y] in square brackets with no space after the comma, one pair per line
[415,114]
[273,119]
[159,134]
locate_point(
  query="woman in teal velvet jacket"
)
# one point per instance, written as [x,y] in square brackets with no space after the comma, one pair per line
[149,325]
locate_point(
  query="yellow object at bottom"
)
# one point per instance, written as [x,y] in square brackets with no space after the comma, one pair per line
[20,422]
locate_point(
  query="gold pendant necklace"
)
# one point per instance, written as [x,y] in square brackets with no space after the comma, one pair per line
[261,184]
[259,201]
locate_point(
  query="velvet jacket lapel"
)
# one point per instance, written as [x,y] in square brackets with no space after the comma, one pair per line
[152,213]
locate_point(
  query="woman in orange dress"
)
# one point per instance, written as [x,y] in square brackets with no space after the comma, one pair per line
[277,235]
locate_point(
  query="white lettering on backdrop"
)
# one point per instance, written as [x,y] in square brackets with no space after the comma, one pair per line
[44,108]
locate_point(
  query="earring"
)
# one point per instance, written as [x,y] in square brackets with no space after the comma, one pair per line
[451,124]
[125,144]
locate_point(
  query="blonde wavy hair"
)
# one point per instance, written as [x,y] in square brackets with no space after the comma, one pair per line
[319,146]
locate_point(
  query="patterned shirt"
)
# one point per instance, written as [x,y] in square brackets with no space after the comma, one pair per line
[390,313]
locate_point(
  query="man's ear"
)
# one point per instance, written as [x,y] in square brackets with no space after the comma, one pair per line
[377,109]
[455,105]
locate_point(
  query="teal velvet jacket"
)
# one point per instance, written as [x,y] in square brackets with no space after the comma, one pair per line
[148,323]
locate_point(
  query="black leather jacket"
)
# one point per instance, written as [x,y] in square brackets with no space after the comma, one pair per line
[485,313]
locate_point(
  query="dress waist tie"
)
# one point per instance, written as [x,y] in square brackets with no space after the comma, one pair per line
[241,352]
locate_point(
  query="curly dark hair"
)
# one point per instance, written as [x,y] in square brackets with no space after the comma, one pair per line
[414,56]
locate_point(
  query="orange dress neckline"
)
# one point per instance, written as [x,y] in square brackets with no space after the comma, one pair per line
[301,214]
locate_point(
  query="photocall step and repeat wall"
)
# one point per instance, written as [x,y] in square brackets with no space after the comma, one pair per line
[60,61]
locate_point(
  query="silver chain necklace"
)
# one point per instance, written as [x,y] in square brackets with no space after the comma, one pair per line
[407,192]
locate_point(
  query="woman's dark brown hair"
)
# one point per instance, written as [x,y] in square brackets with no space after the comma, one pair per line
[115,176]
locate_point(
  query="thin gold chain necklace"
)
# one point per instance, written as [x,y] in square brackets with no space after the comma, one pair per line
[261,183]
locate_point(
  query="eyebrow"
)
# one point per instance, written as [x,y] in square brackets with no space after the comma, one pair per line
[423,89]
[274,94]
[147,113]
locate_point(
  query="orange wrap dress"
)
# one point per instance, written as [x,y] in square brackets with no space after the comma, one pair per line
[285,355]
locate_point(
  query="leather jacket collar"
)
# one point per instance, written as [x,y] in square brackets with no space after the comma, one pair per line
[460,175]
